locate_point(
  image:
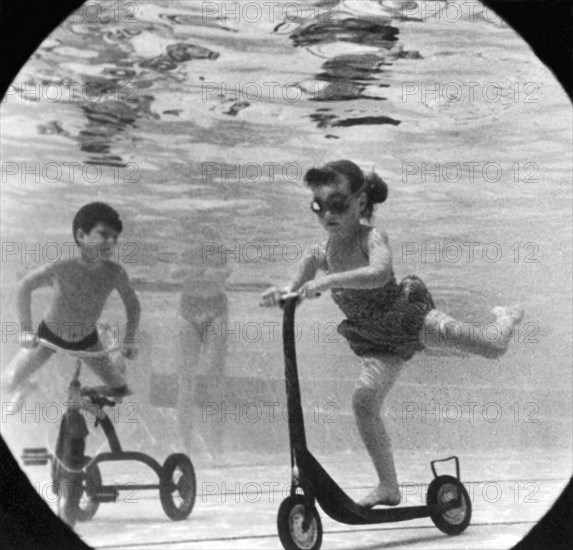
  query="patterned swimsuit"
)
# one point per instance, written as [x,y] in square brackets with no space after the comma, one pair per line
[386,319]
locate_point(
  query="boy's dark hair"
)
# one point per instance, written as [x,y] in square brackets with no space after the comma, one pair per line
[89,215]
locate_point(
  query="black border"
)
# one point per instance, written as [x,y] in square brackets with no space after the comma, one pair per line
[25,519]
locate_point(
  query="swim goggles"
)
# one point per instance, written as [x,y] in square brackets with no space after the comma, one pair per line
[338,204]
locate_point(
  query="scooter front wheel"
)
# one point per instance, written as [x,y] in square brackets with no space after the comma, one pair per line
[299,526]
[453,508]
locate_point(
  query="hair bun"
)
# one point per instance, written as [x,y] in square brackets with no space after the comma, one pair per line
[376,188]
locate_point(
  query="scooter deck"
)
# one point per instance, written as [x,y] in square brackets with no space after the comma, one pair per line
[340,507]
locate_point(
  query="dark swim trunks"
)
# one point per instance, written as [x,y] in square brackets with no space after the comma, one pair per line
[386,319]
[81,345]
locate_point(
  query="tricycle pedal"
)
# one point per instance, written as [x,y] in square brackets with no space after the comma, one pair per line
[36,456]
[105,493]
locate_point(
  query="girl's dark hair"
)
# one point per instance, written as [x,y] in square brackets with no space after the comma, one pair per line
[89,215]
[372,184]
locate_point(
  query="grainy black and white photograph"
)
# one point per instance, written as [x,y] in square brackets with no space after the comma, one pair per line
[286,274]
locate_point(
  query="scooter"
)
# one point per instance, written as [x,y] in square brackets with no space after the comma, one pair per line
[298,521]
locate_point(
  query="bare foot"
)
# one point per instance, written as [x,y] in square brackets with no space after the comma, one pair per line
[506,319]
[381,495]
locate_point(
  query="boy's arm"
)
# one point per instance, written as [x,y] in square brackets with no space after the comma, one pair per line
[40,277]
[132,307]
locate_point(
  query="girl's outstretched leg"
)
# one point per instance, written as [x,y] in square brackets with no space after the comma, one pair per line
[377,378]
[441,330]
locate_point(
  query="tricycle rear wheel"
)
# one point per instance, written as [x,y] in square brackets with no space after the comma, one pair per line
[178,487]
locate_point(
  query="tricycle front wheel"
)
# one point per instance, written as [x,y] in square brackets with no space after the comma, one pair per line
[89,504]
[69,495]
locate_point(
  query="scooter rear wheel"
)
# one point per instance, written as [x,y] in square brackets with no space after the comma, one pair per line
[299,527]
[453,506]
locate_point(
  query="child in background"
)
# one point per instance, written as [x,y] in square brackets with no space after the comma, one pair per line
[387,322]
[81,287]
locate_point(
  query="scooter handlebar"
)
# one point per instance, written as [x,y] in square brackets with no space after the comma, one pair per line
[291,296]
